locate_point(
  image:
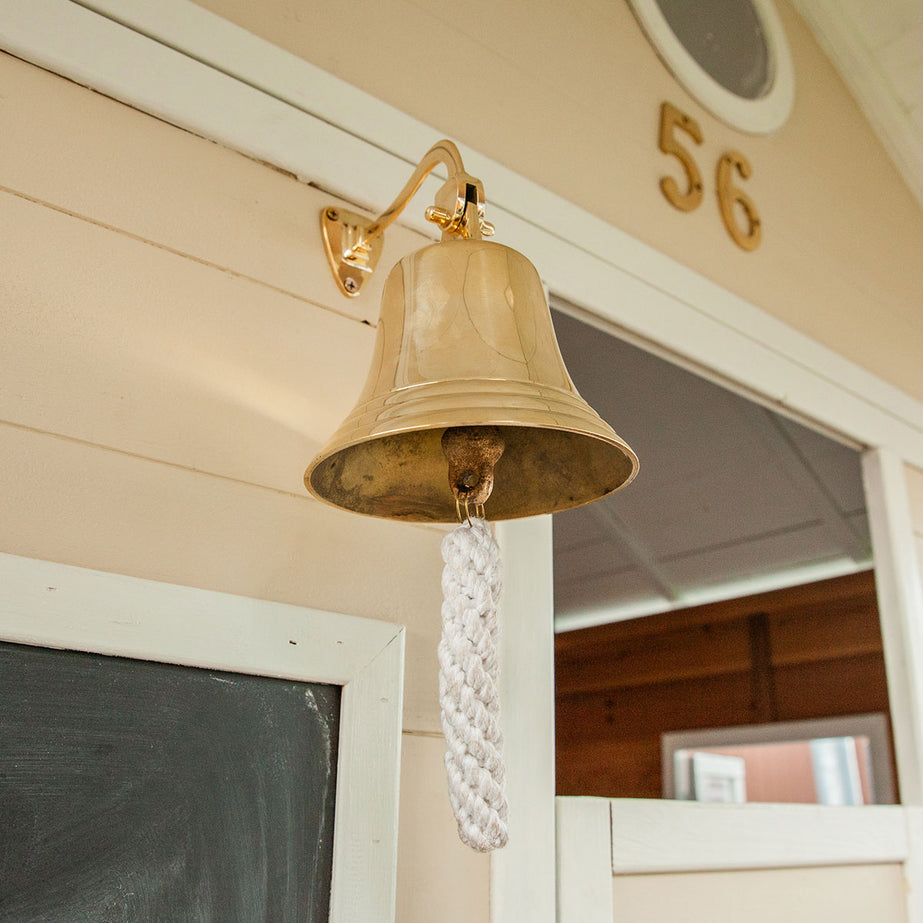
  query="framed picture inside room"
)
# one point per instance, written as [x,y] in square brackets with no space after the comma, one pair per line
[844,760]
[175,753]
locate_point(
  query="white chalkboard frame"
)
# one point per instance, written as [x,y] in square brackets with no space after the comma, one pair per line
[61,606]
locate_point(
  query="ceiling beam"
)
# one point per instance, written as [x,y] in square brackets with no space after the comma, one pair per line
[798,469]
[636,549]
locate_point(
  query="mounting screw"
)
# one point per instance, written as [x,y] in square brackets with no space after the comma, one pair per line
[351,285]
[332,214]
[439,216]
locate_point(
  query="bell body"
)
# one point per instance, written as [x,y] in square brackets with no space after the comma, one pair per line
[465,338]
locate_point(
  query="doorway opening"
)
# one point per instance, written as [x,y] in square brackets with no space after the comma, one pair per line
[730,586]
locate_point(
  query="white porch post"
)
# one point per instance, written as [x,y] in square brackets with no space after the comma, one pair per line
[900,603]
[522,875]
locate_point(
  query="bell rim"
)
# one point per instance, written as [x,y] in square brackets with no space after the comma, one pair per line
[614,443]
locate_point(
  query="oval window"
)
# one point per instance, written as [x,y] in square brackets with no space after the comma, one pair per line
[731,55]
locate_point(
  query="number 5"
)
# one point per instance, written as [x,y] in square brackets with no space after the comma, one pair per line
[671,118]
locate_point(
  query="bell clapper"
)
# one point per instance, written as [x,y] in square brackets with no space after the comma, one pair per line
[472,453]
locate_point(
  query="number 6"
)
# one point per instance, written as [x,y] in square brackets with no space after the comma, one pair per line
[729,195]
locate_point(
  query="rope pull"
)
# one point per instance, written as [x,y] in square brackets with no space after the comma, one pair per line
[468,685]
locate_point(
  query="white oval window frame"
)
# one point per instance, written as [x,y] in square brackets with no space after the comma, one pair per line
[757,116]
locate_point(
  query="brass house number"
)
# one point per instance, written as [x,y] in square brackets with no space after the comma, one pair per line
[729,196]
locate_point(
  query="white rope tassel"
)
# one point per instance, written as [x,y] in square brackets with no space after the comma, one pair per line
[468,689]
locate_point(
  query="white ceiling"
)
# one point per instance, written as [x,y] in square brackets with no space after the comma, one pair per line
[731,498]
[877,46]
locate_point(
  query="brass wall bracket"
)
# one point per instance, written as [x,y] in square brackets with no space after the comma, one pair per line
[353,243]
[352,255]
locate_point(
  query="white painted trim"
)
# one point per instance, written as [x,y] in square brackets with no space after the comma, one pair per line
[831,26]
[732,589]
[59,606]
[649,835]
[285,111]
[584,862]
[913,866]
[522,875]
[900,604]
[760,116]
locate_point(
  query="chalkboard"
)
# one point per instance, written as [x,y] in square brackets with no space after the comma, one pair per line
[137,792]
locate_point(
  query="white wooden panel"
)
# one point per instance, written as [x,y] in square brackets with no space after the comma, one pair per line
[900,606]
[584,865]
[854,894]
[674,836]
[55,605]
[522,873]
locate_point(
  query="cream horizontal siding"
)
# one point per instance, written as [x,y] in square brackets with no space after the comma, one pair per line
[569,95]
[173,352]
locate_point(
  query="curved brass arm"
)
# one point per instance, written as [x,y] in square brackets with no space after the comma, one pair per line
[353,244]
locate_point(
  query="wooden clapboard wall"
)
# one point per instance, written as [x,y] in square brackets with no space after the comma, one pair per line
[806,652]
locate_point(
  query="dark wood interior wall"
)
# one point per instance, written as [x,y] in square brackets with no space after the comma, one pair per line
[806,652]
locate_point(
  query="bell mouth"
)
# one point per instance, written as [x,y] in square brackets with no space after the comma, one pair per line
[387,459]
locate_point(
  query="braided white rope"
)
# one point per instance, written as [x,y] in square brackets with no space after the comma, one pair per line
[468,685]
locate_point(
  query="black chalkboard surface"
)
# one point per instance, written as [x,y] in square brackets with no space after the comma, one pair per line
[137,792]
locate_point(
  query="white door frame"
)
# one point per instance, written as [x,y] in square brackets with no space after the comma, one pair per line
[189,67]
[601,839]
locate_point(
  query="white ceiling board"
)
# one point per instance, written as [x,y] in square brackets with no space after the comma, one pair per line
[756,557]
[860,522]
[829,462]
[601,558]
[596,594]
[576,532]
[728,491]
[637,549]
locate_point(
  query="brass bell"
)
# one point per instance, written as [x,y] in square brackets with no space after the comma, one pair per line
[466,350]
